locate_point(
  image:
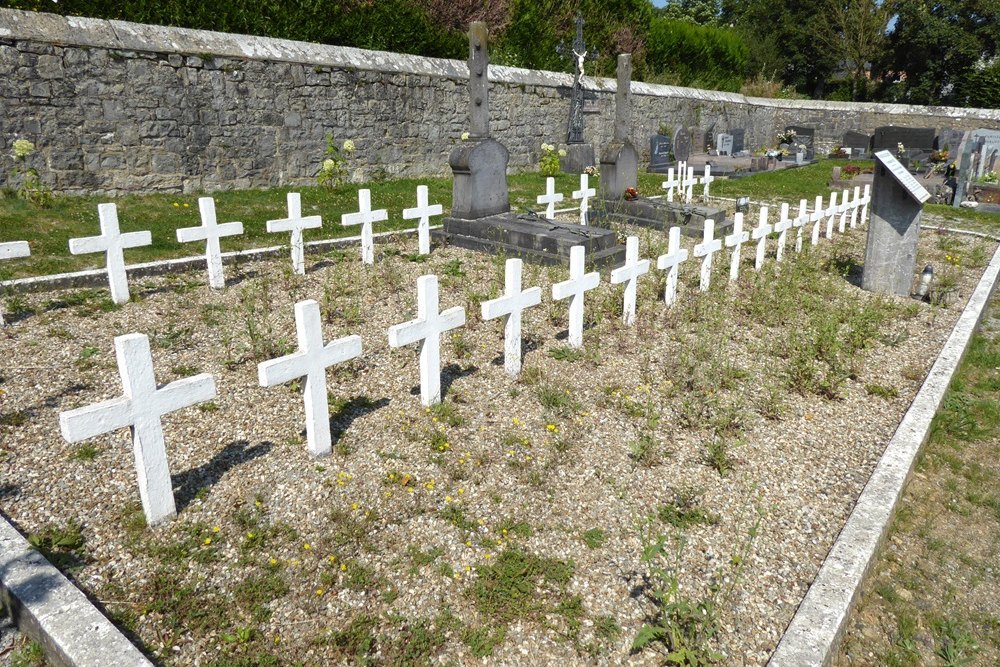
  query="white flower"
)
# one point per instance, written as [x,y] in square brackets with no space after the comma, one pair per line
[900,147]
[465,136]
[348,146]
[562,152]
[329,165]
[23,148]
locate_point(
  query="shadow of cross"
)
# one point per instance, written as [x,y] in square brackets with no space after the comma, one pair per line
[141,408]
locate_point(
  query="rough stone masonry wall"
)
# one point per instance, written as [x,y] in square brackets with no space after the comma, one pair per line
[121,107]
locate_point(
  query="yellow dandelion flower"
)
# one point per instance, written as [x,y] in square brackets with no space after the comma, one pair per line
[320,591]
[447,499]
[307,546]
[461,491]
[176,205]
[208,540]
[216,529]
[354,506]
[343,567]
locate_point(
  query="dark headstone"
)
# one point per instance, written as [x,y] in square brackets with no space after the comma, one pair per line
[918,139]
[805,136]
[660,152]
[682,144]
[859,142]
[739,139]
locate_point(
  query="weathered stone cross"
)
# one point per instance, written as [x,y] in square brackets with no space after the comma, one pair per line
[817,217]
[832,210]
[426,329]
[760,234]
[782,227]
[584,194]
[574,289]
[365,217]
[113,244]
[295,224]
[736,241]
[629,273]
[550,198]
[210,232]
[708,247]
[12,250]
[670,184]
[671,261]
[141,407]
[311,362]
[510,306]
[423,211]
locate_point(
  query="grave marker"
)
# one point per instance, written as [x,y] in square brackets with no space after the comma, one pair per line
[141,408]
[660,152]
[707,180]
[423,212]
[855,206]
[311,362]
[805,136]
[584,194]
[706,249]
[724,144]
[426,329]
[682,143]
[739,140]
[210,232]
[619,161]
[866,199]
[832,210]
[844,207]
[113,244]
[629,273]
[574,289]
[760,234]
[295,224]
[688,185]
[799,223]
[12,250]
[782,227]
[858,142]
[365,217]
[671,262]
[817,217]
[670,184]
[510,306]
[736,241]
[550,198]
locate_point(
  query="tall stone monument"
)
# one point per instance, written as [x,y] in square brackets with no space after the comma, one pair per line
[579,154]
[897,202]
[481,218]
[620,160]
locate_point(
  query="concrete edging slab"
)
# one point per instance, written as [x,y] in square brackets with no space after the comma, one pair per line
[815,632]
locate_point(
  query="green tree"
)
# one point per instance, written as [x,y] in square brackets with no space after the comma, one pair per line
[702,12]
[857,37]
[685,54]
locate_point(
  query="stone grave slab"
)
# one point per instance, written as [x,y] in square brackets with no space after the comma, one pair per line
[660,153]
[859,143]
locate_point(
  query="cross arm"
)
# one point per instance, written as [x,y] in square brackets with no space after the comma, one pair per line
[93,420]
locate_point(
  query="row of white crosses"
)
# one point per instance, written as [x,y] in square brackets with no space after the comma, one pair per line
[551,197]
[685,181]
[143,404]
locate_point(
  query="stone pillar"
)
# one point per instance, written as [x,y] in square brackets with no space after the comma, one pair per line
[620,160]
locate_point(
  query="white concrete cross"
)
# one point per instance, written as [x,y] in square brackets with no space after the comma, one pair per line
[799,223]
[141,407]
[113,244]
[12,250]
[866,199]
[295,224]
[584,194]
[210,232]
[671,261]
[845,206]
[365,217]
[510,306]
[550,198]
[831,211]
[670,184]
[760,234]
[427,330]
[574,289]
[782,227]
[706,249]
[817,216]
[423,212]
[855,204]
[688,185]
[311,362]
[629,273]
[708,179]
[736,241]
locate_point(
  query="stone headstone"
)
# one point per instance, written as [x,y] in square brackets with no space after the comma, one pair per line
[859,143]
[805,136]
[950,139]
[915,139]
[739,139]
[724,144]
[682,143]
[620,160]
[660,152]
[897,202]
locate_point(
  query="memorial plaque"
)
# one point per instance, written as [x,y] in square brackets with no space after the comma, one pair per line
[660,152]
[724,144]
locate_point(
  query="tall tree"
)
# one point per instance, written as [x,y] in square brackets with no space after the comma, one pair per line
[702,12]
[857,36]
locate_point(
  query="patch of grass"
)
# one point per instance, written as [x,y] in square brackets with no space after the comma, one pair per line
[15,418]
[521,586]
[686,511]
[567,353]
[558,399]
[593,538]
[447,412]
[481,641]
[355,642]
[29,655]
[717,456]
[882,390]
[63,546]
[86,452]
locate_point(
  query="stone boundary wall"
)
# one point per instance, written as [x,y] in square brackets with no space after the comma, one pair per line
[120,107]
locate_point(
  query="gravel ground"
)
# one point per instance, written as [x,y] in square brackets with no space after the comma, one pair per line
[345,533]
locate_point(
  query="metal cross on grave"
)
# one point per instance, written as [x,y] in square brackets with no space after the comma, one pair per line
[365,217]
[817,216]
[295,224]
[210,232]
[426,329]
[423,212]
[311,362]
[113,244]
[671,261]
[510,306]
[573,289]
[670,184]
[550,198]
[736,241]
[629,273]
[12,250]
[760,234]
[141,408]
[708,247]
[831,211]
[584,194]
[782,227]
[580,55]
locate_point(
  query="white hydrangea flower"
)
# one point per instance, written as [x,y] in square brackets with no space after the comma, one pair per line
[562,152]
[23,148]
[465,136]
[329,165]
[349,146]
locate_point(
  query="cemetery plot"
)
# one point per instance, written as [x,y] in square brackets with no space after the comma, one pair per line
[745,418]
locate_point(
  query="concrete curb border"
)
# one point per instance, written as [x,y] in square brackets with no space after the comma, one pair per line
[47,607]
[815,632]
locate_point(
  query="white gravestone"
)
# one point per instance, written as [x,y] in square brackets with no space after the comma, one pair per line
[295,224]
[573,289]
[760,234]
[842,209]
[510,306]
[365,217]
[629,273]
[584,194]
[210,232]
[855,206]
[550,198]
[724,144]
[736,241]
[707,180]
[671,262]
[311,362]
[12,250]
[708,247]
[427,330]
[818,214]
[782,227]
[670,184]
[423,213]
[688,185]
[141,408]
[113,244]
[799,223]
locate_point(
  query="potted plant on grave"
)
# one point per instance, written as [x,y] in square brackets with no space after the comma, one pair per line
[631,194]
[838,153]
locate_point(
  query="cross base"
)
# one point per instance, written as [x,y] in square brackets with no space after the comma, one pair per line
[533,239]
[660,214]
